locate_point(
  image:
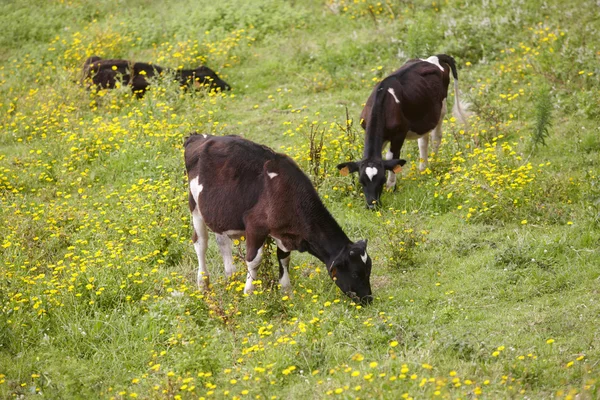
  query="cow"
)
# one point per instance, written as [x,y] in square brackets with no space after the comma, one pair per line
[407,104]
[106,73]
[240,188]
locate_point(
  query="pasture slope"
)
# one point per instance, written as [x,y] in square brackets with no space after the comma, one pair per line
[485,266]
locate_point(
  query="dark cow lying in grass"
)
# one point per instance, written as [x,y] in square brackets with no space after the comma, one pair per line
[408,104]
[238,187]
[106,73]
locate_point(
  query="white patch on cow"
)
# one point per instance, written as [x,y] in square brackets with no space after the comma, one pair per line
[436,134]
[196,188]
[391,91]
[389,155]
[280,245]
[205,135]
[364,258]
[252,271]
[435,61]
[423,144]
[225,248]
[391,181]
[200,246]
[285,278]
[371,172]
[272,174]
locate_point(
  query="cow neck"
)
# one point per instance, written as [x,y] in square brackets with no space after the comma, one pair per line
[376,126]
[328,242]
[373,146]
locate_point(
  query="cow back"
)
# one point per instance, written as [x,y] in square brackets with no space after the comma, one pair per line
[230,170]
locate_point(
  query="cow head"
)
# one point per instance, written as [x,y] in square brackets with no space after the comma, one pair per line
[351,270]
[371,175]
[206,76]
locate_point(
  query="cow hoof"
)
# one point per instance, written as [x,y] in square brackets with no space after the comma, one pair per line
[204,283]
[249,288]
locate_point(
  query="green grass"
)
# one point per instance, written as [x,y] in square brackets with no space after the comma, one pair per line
[485,266]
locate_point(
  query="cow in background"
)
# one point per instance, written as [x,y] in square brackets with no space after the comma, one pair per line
[106,73]
[408,104]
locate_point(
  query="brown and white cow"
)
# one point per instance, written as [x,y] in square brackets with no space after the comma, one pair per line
[408,104]
[238,187]
[106,73]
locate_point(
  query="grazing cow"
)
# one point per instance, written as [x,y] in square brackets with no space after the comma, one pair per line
[238,187]
[408,104]
[106,74]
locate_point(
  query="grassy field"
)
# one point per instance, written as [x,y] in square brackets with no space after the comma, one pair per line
[486,271]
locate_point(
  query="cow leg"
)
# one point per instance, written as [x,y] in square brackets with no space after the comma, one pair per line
[225,248]
[423,144]
[391,181]
[254,243]
[200,239]
[284,264]
[437,132]
[393,153]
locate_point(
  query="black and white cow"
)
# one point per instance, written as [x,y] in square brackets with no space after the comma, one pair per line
[238,187]
[408,104]
[106,73]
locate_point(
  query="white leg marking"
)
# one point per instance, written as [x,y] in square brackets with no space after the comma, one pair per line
[435,61]
[364,258]
[393,93]
[225,246]
[391,180]
[272,174]
[423,142]
[252,272]
[200,246]
[437,132]
[285,278]
[371,172]
[280,245]
[196,188]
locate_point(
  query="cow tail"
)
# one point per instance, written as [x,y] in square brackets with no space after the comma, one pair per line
[460,108]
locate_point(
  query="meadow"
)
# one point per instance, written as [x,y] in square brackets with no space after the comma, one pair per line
[486,270]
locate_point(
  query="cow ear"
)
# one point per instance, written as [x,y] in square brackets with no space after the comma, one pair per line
[362,244]
[270,166]
[333,272]
[394,165]
[348,167]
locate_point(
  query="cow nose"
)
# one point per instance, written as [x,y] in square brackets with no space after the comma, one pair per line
[372,204]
